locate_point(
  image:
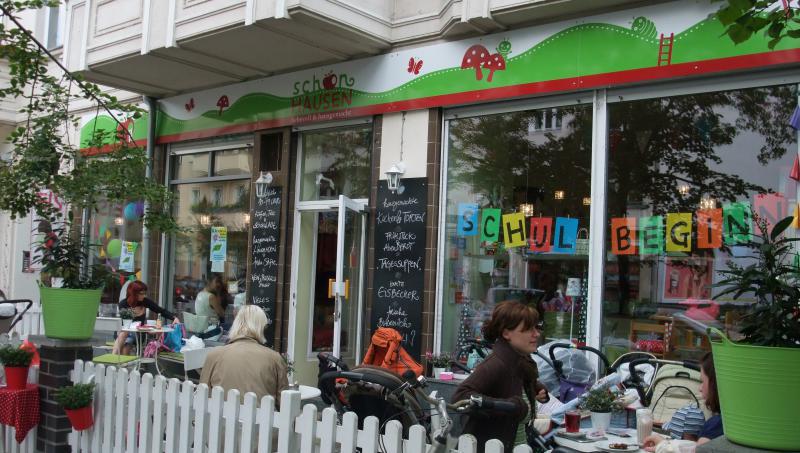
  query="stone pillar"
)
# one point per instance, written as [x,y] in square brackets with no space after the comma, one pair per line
[57,361]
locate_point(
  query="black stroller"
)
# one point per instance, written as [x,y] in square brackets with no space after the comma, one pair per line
[369,390]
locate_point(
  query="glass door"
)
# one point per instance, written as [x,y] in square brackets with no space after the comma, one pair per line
[328,280]
[347,287]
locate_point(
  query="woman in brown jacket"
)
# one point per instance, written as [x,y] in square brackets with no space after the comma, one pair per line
[245,363]
[508,374]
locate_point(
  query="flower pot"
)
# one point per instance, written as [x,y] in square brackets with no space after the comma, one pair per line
[69,314]
[16,377]
[601,421]
[81,418]
[768,421]
[437,371]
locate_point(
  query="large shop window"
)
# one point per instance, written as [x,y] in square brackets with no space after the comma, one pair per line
[517,222]
[677,167]
[115,230]
[212,191]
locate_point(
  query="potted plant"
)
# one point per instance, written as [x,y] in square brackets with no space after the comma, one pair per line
[77,403]
[126,315]
[48,173]
[601,402]
[768,352]
[16,362]
[438,362]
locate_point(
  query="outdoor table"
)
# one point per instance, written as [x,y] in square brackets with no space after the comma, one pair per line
[308,392]
[20,409]
[593,446]
[141,335]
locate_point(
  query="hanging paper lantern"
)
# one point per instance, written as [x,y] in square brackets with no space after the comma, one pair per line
[114,248]
[795,173]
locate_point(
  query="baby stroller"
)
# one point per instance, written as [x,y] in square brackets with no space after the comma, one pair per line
[675,385]
[377,387]
[10,314]
[572,372]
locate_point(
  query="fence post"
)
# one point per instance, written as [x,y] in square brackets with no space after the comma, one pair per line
[521,448]
[494,446]
[393,437]
[248,417]
[230,411]
[290,410]
[306,426]
[349,430]
[327,431]
[266,424]
[371,433]
[467,444]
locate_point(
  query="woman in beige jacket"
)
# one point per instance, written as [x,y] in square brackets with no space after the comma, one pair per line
[245,363]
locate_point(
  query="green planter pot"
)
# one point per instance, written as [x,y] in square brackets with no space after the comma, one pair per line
[758,393]
[69,314]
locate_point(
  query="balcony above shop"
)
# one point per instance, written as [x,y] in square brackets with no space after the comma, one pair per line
[163,48]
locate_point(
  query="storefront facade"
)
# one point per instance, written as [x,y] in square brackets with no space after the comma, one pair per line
[603,169]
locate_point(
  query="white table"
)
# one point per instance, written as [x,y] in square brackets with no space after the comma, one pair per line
[591,446]
[139,334]
[308,392]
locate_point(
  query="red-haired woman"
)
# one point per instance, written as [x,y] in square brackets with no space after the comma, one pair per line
[508,374]
[136,299]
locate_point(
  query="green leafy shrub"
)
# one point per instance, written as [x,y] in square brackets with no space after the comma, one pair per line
[601,400]
[15,357]
[126,313]
[772,277]
[75,396]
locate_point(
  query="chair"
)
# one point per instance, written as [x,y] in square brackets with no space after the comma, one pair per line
[111,326]
[655,331]
[191,360]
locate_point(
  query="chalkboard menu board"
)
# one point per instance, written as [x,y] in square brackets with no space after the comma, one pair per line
[266,239]
[398,284]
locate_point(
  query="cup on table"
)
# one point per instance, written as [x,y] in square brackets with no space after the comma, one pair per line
[572,421]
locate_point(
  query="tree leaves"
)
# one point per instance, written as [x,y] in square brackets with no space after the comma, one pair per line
[743,18]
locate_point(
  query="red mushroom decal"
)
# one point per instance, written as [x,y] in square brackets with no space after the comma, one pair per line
[474,58]
[222,103]
[495,62]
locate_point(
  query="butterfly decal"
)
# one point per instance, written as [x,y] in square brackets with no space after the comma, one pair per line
[189,105]
[414,67]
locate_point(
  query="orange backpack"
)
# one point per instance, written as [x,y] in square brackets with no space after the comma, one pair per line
[386,352]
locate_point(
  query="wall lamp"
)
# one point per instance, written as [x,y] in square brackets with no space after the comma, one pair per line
[262,183]
[393,177]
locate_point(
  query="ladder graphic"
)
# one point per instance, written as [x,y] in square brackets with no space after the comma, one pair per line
[665,49]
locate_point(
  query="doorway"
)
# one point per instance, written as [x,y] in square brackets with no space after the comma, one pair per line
[328,256]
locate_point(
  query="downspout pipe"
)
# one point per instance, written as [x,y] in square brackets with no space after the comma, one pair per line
[152,111]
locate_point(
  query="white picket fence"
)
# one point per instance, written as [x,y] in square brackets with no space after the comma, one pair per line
[31,323]
[140,413]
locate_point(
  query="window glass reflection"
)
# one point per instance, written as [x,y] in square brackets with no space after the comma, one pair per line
[677,167]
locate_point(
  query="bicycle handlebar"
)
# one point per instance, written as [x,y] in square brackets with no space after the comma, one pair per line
[331,359]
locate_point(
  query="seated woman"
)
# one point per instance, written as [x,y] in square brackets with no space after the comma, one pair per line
[708,388]
[210,301]
[245,363]
[137,300]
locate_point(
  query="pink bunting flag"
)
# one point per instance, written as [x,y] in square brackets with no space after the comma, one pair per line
[795,173]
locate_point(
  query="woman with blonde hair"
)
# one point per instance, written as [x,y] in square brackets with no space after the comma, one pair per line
[245,363]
